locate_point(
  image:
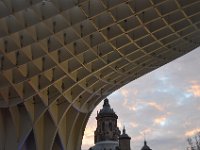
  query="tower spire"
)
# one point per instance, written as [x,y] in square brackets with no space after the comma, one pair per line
[124,130]
[106,103]
[145,142]
[145,147]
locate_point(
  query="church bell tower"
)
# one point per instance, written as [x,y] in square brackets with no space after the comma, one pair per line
[107,129]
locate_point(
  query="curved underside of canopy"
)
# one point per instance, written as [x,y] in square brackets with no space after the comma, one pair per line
[60,58]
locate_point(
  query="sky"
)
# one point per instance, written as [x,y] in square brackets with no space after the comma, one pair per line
[163,105]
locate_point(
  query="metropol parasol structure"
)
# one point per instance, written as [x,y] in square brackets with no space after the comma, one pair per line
[60,58]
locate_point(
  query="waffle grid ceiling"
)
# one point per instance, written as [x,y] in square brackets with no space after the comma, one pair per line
[60,58]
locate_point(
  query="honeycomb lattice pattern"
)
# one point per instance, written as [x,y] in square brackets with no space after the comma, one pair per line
[60,58]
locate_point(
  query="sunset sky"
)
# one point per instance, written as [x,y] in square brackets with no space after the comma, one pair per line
[164,105]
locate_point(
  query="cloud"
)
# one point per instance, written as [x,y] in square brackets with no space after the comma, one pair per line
[124,92]
[192,132]
[146,131]
[88,139]
[195,89]
[160,120]
[133,124]
[155,105]
[120,124]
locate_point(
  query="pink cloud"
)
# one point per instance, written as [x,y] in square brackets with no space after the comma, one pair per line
[88,139]
[194,89]
[155,105]
[133,124]
[160,120]
[192,132]
[124,92]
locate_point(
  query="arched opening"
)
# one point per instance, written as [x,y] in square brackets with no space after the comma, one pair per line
[164,105]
